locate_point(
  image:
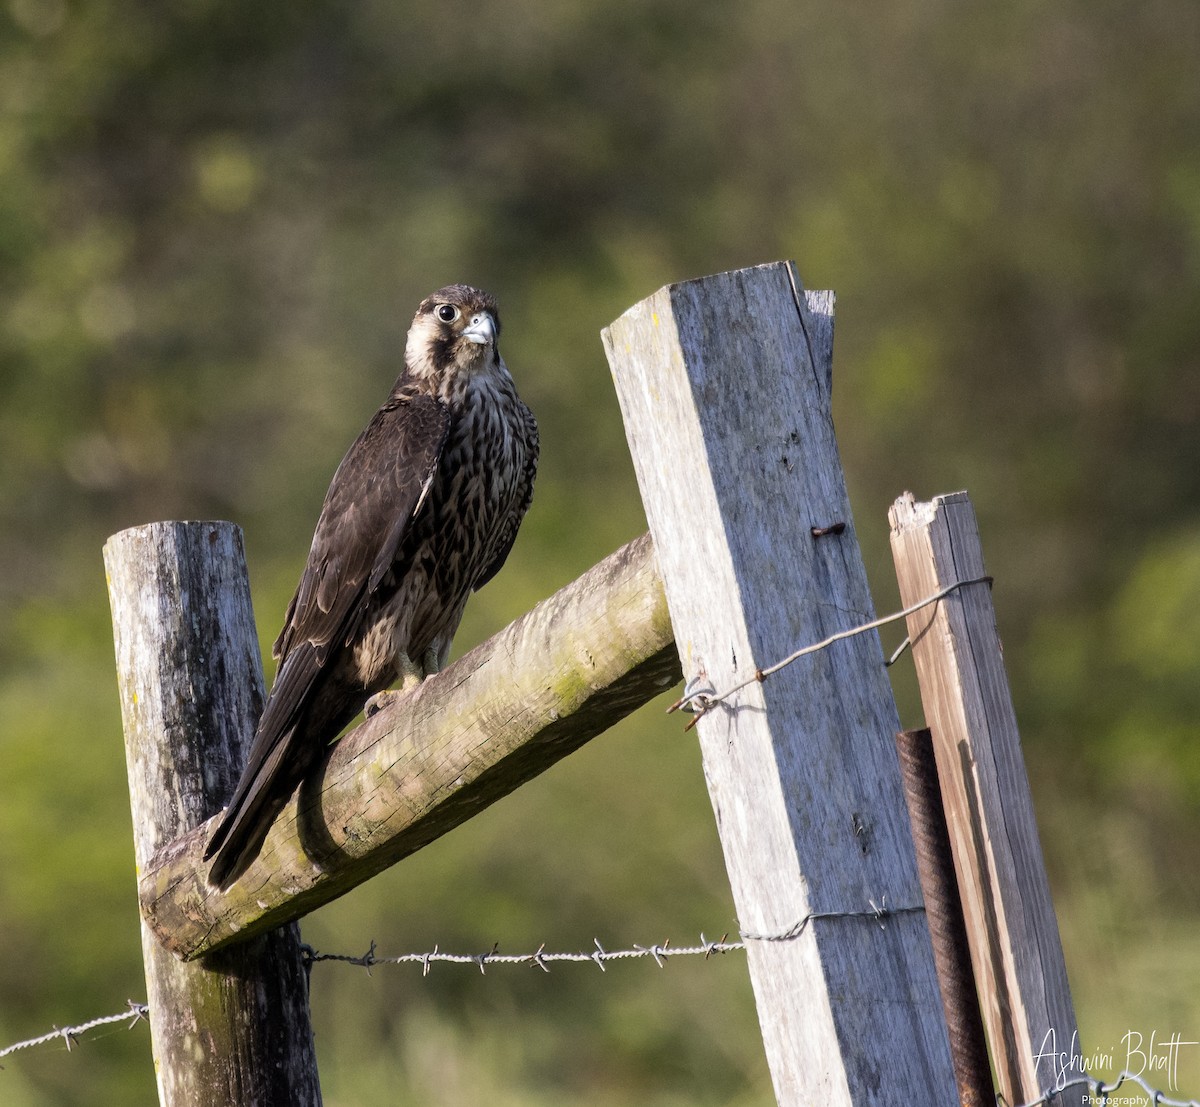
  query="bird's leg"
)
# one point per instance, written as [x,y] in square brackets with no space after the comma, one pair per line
[410,675]
[378,702]
[431,661]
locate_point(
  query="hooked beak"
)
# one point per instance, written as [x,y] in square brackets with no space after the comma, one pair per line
[481,330]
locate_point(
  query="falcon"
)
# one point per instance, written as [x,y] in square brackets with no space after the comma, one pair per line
[422,511]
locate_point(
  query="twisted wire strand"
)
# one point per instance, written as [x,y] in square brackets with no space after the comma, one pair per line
[698,698]
[136,1013]
[599,956]
[69,1035]
[660,953]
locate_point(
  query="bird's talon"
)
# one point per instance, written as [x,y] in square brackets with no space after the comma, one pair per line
[378,702]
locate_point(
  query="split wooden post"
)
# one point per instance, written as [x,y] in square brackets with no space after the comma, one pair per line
[724,384]
[1015,945]
[234,1027]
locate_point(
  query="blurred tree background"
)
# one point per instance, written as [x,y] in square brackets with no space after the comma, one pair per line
[215,223]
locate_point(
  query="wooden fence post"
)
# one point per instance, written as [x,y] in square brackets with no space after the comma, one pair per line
[232,1028]
[1015,945]
[724,387]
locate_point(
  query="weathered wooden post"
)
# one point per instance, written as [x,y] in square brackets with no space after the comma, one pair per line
[232,1028]
[724,384]
[1015,945]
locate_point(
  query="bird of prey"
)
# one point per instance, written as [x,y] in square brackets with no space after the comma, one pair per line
[423,510]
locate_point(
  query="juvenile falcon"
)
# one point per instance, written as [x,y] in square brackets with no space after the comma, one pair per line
[423,510]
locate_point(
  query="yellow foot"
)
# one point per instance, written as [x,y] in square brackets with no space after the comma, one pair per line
[410,676]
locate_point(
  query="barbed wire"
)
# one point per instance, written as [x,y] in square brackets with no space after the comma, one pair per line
[70,1035]
[699,697]
[660,953]
[139,1012]
[539,957]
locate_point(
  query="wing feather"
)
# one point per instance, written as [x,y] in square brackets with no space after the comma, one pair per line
[377,489]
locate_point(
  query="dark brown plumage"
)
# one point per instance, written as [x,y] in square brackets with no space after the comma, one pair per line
[423,510]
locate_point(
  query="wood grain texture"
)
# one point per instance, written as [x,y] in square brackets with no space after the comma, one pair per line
[567,670]
[724,388]
[947,926]
[1015,946]
[235,1027]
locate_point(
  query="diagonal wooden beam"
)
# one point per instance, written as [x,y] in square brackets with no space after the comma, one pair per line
[562,673]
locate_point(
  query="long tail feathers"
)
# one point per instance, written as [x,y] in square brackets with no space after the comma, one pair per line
[280,754]
[240,834]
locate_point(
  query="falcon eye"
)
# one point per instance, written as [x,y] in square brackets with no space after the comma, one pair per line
[447,313]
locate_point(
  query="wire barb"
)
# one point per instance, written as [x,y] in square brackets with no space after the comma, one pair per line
[538,959]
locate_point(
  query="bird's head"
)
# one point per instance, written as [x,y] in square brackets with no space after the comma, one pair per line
[454,334]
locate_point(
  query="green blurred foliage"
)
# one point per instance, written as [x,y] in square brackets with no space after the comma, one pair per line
[215,222]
